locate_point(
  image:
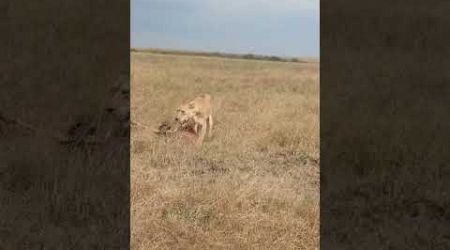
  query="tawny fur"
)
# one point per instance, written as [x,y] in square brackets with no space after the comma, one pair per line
[196,114]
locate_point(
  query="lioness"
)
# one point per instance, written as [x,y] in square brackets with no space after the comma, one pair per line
[196,114]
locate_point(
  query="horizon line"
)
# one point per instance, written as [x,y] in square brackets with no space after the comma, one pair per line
[210,52]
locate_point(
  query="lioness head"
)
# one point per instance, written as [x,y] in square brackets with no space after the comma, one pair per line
[117,106]
[185,114]
[118,101]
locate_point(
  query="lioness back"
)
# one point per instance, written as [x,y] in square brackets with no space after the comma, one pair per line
[203,103]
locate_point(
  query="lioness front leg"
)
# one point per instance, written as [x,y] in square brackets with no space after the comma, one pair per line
[196,128]
[202,133]
[210,122]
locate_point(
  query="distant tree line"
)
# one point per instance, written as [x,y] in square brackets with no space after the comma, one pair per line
[217,54]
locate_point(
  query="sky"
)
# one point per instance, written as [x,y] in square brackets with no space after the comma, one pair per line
[266,27]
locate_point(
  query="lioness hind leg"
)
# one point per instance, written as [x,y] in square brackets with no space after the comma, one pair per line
[210,123]
[202,133]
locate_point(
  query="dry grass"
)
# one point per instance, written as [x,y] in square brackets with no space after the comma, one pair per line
[255,184]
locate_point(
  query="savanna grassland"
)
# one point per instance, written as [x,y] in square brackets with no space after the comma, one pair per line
[255,184]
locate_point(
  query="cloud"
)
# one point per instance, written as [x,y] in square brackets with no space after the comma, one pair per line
[262,5]
[279,27]
[239,6]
